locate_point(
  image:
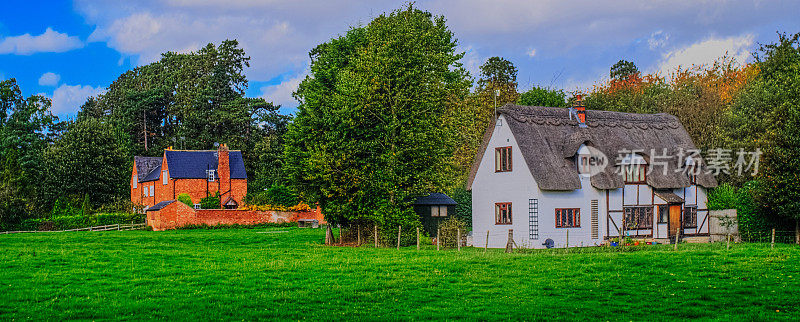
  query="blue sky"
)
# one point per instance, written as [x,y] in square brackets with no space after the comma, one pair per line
[69,50]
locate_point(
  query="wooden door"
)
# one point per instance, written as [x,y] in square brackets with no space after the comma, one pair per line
[674,219]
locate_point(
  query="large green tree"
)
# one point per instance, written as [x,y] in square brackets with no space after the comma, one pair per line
[26,128]
[373,127]
[540,96]
[773,123]
[86,162]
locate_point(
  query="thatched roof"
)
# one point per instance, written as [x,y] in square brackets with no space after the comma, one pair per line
[549,140]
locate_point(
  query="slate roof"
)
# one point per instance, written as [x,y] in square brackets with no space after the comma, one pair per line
[187,164]
[193,164]
[145,165]
[160,205]
[435,198]
[549,140]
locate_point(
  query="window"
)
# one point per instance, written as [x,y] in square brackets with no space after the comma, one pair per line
[634,168]
[690,217]
[438,211]
[568,217]
[635,173]
[210,174]
[197,206]
[502,159]
[144,191]
[638,217]
[165,177]
[135,182]
[663,214]
[502,213]
[152,191]
[583,164]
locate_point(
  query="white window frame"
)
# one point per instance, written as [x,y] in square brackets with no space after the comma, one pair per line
[211,174]
[144,191]
[135,182]
[197,206]
[165,177]
[152,191]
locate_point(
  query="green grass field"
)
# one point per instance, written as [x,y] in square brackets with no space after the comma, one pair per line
[238,274]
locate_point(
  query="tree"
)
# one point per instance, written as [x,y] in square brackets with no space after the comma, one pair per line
[26,128]
[540,96]
[372,129]
[623,69]
[86,161]
[779,78]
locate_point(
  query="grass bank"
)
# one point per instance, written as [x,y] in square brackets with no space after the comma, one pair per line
[285,273]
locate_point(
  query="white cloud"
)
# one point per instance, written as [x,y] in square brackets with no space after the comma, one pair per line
[282,93]
[657,40]
[531,52]
[49,79]
[67,99]
[49,41]
[706,52]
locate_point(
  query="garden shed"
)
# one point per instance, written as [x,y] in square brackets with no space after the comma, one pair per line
[433,209]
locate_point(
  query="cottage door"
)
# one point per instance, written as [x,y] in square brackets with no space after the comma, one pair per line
[674,219]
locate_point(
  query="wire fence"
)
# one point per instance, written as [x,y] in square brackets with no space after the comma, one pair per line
[120,227]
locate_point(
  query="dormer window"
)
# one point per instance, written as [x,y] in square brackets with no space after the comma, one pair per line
[165,177]
[135,182]
[211,175]
[502,159]
[634,169]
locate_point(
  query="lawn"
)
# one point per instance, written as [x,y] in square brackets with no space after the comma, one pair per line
[238,274]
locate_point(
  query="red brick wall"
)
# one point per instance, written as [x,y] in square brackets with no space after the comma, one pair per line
[178,214]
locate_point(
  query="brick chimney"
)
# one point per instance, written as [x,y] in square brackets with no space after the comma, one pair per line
[223,172]
[578,110]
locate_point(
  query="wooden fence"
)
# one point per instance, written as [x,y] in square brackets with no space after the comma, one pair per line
[94,228]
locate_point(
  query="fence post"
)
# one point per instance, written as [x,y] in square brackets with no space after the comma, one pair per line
[358,228]
[509,244]
[458,238]
[417,238]
[677,237]
[328,235]
[772,244]
[375,234]
[486,246]
[340,235]
[567,238]
[117,226]
[438,241]
[399,228]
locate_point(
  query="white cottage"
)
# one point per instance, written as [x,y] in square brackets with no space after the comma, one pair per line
[580,179]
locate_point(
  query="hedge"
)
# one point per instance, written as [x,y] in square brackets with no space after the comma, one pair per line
[80,221]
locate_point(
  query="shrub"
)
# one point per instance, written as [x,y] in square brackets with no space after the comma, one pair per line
[464,207]
[186,199]
[448,231]
[211,202]
[278,195]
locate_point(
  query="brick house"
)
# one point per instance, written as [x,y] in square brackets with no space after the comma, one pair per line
[198,173]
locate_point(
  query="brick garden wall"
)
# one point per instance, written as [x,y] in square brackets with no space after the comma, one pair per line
[178,214]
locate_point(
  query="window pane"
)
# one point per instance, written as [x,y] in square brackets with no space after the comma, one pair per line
[442,211]
[434,211]
[497,160]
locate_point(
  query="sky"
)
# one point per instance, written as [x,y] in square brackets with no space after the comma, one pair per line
[70,50]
